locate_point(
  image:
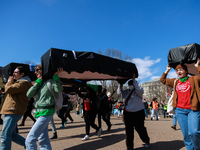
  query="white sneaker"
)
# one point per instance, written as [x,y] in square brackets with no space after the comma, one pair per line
[86,138]
[99,132]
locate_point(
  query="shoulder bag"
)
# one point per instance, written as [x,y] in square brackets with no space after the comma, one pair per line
[170,108]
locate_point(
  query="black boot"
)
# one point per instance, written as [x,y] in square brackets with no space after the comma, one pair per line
[54,136]
[109,127]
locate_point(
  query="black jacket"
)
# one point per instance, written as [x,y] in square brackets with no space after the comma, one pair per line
[93,100]
[104,105]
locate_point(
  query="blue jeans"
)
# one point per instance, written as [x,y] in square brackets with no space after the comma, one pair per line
[39,131]
[174,119]
[154,112]
[8,133]
[189,122]
[52,124]
[145,112]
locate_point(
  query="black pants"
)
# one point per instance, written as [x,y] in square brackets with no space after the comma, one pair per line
[135,119]
[61,113]
[106,118]
[89,118]
[67,114]
[28,114]
[165,113]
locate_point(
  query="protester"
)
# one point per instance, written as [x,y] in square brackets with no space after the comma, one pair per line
[133,112]
[186,101]
[67,113]
[103,109]
[2,94]
[110,104]
[14,106]
[89,111]
[53,127]
[145,107]
[28,112]
[44,105]
[119,107]
[174,122]
[78,106]
[62,111]
[155,106]
[165,110]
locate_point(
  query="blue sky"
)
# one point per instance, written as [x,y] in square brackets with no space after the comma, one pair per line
[143,29]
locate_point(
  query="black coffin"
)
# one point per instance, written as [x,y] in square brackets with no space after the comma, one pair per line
[187,55]
[85,65]
[9,69]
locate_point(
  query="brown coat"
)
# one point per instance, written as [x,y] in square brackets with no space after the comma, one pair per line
[15,100]
[195,89]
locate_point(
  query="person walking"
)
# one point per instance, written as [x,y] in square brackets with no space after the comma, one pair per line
[28,112]
[110,104]
[67,113]
[165,110]
[53,127]
[62,111]
[2,94]
[186,103]
[119,107]
[78,106]
[89,111]
[103,109]
[145,107]
[44,105]
[155,106]
[133,112]
[14,106]
[174,122]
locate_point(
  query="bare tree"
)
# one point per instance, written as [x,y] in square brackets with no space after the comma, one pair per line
[112,85]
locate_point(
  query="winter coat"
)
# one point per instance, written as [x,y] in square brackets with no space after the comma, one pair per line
[15,100]
[45,99]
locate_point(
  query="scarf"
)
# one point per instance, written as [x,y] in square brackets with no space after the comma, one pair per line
[183,79]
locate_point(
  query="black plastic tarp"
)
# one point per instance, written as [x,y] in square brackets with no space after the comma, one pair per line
[9,69]
[187,55]
[85,65]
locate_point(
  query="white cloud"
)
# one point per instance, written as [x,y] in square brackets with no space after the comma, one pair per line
[144,67]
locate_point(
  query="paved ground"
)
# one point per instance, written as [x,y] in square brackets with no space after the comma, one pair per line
[162,137]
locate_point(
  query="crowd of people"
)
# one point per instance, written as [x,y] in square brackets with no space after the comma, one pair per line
[17,100]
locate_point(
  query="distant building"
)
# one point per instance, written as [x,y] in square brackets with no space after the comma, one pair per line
[156,89]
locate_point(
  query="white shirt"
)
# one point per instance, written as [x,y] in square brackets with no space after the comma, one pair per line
[135,102]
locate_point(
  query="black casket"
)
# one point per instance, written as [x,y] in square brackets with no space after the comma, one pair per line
[187,55]
[85,66]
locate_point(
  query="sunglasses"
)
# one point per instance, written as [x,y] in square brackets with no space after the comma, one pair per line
[36,70]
